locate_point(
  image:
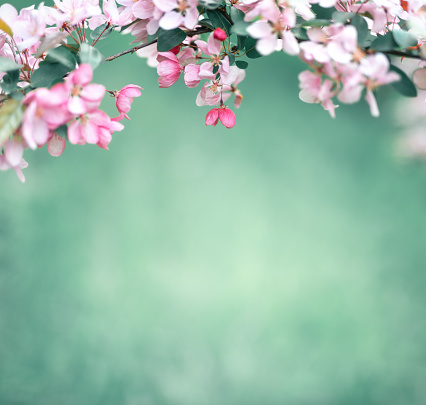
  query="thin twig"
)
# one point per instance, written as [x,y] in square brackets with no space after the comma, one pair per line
[198,31]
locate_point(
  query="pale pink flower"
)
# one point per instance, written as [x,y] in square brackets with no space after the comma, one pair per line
[74,11]
[112,15]
[171,66]
[45,111]
[267,32]
[315,91]
[12,157]
[178,12]
[94,128]
[376,70]
[224,114]
[192,75]
[124,99]
[84,97]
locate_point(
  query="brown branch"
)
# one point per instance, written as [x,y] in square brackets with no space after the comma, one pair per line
[402,54]
[202,30]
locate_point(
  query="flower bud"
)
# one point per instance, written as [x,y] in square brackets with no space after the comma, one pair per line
[219,34]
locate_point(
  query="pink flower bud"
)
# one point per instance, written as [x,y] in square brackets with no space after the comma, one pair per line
[219,34]
[224,114]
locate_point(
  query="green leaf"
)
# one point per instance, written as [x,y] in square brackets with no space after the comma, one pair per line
[322,13]
[11,114]
[219,20]
[101,32]
[242,64]
[10,80]
[169,39]
[90,55]
[300,33]
[384,43]
[6,64]
[251,48]
[361,27]
[241,41]
[62,131]
[231,57]
[315,23]
[237,15]
[341,17]
[210,4]
[48,74]
[155,35]
[405,86]
[240,28]
[206,23]
[62,55]
[404,39]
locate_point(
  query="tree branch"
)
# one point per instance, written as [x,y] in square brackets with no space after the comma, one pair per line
[202,30]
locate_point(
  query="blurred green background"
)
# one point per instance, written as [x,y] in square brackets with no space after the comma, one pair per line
[280,262]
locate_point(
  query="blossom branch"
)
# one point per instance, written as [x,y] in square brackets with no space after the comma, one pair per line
[198,31]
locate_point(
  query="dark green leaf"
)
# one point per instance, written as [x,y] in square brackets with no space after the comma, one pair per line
[361,27]
[101,32]
[62,55]
[240,28]
[237,15]
[241,42]
[10,81]
[404,39]
[300,33]
[6,65]
[47,74]
[384,43]
[154,36]
[405,86]
[210,4]
[62,131]
[219,20]
[251,48]
[322,13]
[339,17]
[231,57]
[315,23]
[169,39]
[242,64]
[89,54]
[17,95]
[206,23]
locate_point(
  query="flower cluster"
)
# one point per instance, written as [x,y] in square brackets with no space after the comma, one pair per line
[48,54]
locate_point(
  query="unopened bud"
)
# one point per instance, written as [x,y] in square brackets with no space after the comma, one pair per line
[219,34]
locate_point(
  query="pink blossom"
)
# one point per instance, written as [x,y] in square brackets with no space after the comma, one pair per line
[192,75]
[84,97]
[45,111]
[12,157]
[74,11]
[279,24]
[376,70]
[178,12]
[224,114]
[112,15]
[170,66]
[124,99]
[94,128]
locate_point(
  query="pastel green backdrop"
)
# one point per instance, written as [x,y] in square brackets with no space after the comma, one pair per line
[280,262]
